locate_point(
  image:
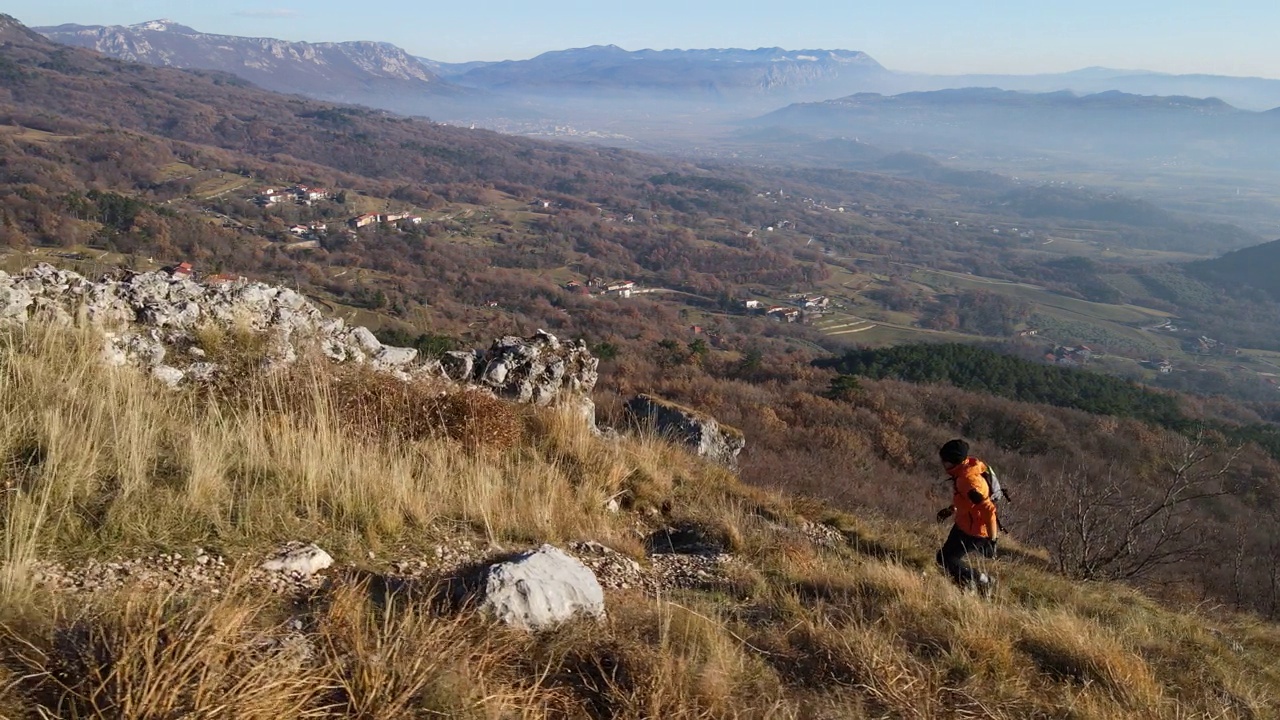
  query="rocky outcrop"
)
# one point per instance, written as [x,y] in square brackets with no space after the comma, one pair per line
[540,589]
[152,320]
[537,370]
[700,432]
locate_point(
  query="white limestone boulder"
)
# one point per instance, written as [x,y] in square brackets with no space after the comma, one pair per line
[541,589]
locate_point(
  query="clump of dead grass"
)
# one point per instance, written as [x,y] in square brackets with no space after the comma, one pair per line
[148,656]
[1065,646]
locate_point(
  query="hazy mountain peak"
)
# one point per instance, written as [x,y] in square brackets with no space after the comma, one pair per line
[162,25]
[10,25]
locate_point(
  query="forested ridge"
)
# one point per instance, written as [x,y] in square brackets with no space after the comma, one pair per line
[984,370]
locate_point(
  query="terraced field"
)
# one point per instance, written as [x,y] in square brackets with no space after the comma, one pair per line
[841,324]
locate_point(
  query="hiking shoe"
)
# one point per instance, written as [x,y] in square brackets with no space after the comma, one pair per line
[986,586]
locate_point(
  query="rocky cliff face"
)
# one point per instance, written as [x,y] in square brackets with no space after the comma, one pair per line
[328,70]
[766,70]
[152,320]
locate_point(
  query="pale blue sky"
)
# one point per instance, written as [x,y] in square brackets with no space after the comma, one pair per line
[1231,37]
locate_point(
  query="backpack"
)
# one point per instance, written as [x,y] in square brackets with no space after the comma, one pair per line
[997,493]
[999,496]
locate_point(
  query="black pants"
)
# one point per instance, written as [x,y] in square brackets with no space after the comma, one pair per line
[959,544]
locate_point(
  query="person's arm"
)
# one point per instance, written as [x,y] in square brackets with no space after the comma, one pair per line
[993,527]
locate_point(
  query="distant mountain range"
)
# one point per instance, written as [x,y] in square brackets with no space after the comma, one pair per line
[1250,93]
[386,76]
[723,71]
[351,70]
[1144,132]
[372,73]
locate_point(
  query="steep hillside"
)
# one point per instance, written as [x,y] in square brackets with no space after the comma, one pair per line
[345,71]
[1256,267]
[384,76]
[137,516]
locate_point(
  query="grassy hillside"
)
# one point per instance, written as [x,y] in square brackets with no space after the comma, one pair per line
[821,614]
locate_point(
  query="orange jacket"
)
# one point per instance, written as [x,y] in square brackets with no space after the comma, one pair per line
[972,517]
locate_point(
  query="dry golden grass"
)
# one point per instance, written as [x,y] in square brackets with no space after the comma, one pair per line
[100,458]
[99,462]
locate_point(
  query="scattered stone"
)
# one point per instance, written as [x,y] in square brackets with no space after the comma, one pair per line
[292,647]
[687,539]
[459,365]
[536,588]
[162,572]
[168,375]
[365,340]
[822,534]
[612,569]
[674,571]
[394,357]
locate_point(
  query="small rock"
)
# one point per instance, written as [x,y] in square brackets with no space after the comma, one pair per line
[168,375]
[304,561]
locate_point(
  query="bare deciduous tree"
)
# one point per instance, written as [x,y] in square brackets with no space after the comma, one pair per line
[1123,528]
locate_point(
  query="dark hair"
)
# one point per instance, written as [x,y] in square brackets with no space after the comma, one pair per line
[954,451]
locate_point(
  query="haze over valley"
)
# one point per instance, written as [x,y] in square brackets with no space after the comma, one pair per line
[1197,143]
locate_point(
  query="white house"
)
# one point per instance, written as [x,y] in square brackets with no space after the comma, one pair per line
[622,288]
